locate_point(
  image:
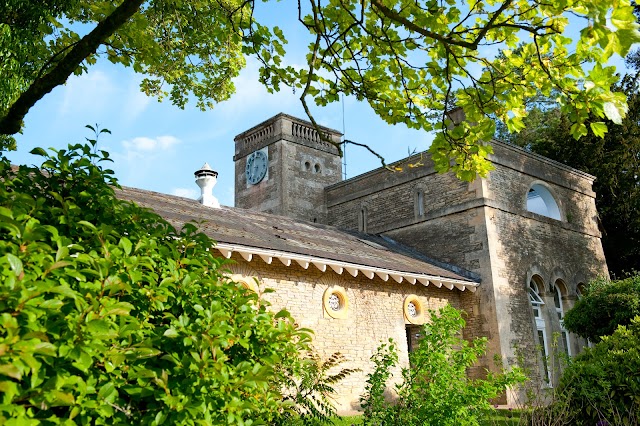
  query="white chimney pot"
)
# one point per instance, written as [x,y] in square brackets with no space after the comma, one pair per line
[206,179]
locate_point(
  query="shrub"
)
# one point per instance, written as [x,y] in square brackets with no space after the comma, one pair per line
[605,305]
[435,390]
[603,383]
[108,315]
[308,386]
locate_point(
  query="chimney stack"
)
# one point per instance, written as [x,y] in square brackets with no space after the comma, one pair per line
[206,179]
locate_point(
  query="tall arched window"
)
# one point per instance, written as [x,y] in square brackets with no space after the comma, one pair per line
[580,290]
[540,201]
[362,219]
[419,203]
[557,300]
[541,331]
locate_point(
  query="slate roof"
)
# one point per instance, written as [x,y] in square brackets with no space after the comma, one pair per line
[250,228]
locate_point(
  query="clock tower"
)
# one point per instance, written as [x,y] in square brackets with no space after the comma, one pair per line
[282,167]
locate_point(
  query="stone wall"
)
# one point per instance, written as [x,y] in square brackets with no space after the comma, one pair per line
[391,197]
[300,166]
[526,244]
[375,314]
[484,226]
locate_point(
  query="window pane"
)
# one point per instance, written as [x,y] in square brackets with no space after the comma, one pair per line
[543,352]
[565,339]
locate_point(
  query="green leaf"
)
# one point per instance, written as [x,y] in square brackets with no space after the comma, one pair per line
[126,245]
[86,224]
[61,399]
[45,348]
[598,128]
[614,112]
[11,371]
[141,353]
[108,392]
[623,18]
[120,308]
[171,333]
[15,264]
[39,151]
[83,361]
[101,329]
[53,304]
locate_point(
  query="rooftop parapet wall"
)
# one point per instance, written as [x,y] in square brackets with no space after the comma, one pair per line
[510,156]
[389,196]
[542,168]
[288,128]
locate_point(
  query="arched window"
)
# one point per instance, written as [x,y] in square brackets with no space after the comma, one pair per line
[541,331]
[362,219]
[557,300]
[580,290]
[419,203]
[540,201]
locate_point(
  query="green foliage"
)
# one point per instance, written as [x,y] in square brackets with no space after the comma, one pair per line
[411,61]
[436,390]
[603,383]
[373,402]
[605,306]
[308,386]
[613,160]
[108,315]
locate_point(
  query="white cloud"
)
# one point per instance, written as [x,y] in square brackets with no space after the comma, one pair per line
[136,102]
[185,192]
[146,144]
[88,92]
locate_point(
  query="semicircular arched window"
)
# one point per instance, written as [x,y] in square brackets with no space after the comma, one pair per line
[540,201]
[559,304]
[537,304]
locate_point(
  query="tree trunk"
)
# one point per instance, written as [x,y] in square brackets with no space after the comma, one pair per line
[11,123]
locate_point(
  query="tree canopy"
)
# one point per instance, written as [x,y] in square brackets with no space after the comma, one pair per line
[604,306]
[411,61]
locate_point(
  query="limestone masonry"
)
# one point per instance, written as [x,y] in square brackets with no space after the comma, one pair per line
[362,260]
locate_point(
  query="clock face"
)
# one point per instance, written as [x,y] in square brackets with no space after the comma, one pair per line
[256,167]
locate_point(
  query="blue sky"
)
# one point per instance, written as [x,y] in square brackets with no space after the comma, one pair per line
[157,146]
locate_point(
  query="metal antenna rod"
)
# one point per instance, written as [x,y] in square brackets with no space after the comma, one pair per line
[344,146]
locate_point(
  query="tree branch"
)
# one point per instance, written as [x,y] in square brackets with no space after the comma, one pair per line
[12,120]
[394,16]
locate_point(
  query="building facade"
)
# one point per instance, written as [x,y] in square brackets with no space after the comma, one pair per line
[362,260]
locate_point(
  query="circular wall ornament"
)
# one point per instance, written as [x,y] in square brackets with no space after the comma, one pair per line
[256,167]
[248,282]
[413,310]
[335,302]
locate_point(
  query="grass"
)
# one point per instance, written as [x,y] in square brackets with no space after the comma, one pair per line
[502,418]
[494,418]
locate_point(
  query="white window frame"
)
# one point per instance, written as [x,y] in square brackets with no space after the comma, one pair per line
[536,305]
[538,193]
[557,300]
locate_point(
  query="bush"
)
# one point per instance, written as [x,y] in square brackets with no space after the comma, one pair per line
[309,388]
[436,389]
[108,315]
[603,383]
[605,306]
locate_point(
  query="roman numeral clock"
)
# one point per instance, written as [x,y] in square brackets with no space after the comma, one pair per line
[256,168]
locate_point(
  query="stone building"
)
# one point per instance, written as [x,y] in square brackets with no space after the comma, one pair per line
[362,260]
